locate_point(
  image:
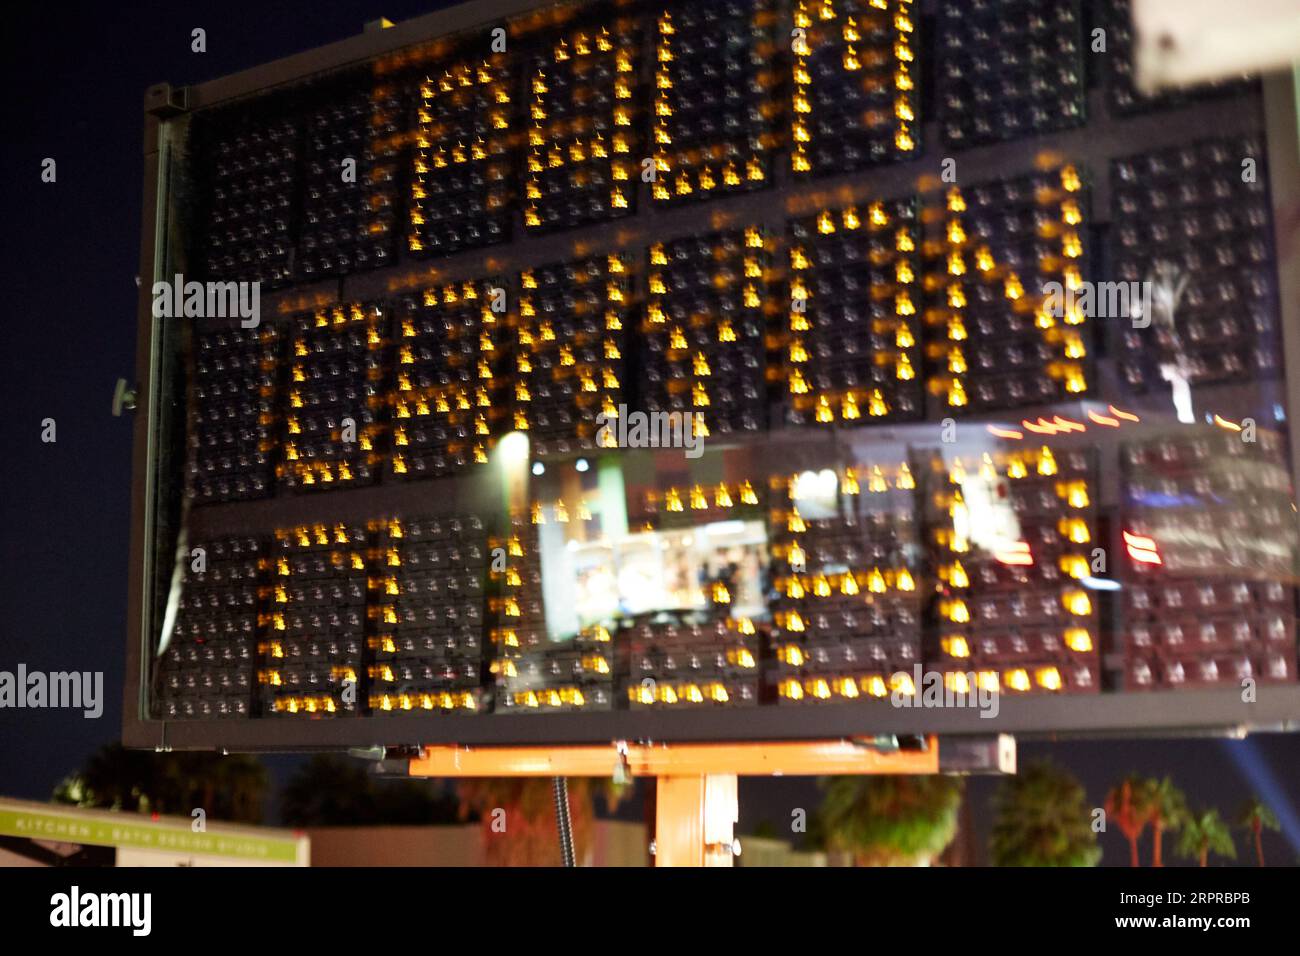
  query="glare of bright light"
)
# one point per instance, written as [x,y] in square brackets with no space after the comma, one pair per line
[804,484]
[513,448]
[816,485]
[539,468]
[581,464]
[1180,391]
[1100,584]
[1142,548]
[725,527]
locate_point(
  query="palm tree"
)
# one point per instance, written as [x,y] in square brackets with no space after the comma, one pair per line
[891,821]
[1128,806]
[113,778]
[1205,833]
[1167,809]
[1254,816]
[226,787]
[1042,820]
[328,791]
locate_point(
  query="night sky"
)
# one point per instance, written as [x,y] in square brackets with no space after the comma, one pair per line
[74,93]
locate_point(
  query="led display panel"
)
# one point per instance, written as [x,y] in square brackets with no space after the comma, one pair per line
[628,367]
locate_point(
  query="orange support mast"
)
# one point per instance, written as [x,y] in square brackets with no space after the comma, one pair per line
[696,807]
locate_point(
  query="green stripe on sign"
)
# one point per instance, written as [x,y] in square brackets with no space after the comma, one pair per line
[146,836]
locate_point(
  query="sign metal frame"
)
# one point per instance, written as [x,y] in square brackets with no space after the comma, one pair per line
[167,111]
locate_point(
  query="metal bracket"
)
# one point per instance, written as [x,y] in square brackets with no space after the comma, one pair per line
[165,101]
[124,397]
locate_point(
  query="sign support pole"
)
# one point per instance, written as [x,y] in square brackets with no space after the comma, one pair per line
[696,795]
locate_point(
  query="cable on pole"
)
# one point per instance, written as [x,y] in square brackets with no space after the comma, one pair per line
[563,820]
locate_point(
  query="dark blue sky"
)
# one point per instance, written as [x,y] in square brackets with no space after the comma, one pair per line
[77,75]
[76,80]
